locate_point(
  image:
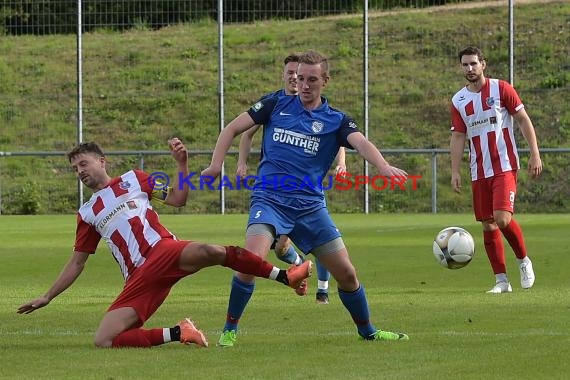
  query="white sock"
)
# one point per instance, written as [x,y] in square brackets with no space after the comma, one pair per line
[274,273]
[323,285]
[166,335]
[501,277]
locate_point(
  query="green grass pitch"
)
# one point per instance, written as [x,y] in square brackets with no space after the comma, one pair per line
[457,331]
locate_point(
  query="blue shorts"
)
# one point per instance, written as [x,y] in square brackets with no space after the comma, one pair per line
[306,222]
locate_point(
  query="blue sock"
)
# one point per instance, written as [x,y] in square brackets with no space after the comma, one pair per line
[239,297]
[357,305]
[291,256]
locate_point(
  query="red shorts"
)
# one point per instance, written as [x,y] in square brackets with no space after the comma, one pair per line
[494,193]
[149,285]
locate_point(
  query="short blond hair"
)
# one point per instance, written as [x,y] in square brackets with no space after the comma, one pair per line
[311,57]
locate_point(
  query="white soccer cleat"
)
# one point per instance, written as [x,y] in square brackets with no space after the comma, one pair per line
[501,287]
[527,274]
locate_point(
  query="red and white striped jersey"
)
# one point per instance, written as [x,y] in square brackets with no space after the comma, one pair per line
[122,215]
[485,117]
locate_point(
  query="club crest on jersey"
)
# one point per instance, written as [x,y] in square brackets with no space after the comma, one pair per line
[490,101]
[124,185]
[317,126]
[352,125]
[257,106]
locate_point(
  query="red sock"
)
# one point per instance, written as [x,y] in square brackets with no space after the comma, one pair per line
[513,234]
[139,338]
[244,261]
[495,250]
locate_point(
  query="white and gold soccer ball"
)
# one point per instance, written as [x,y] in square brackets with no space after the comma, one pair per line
[453,247]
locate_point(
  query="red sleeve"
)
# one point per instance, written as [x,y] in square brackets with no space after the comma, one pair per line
[457,123]
[143,179]
[86,237]
[509,97]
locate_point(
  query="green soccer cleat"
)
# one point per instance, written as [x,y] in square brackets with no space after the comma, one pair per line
[227,339]
[386,335]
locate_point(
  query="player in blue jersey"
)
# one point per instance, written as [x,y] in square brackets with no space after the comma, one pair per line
[282,246]
[302,135]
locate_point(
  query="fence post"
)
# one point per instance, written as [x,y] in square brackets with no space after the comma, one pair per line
[434,182]
[1,161]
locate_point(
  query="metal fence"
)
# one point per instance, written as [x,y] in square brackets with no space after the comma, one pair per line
[428,191]
[130,82]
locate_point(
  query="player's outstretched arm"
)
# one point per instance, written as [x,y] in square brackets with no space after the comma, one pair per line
[234,128]
[370,153]
[245,143]
[68,275]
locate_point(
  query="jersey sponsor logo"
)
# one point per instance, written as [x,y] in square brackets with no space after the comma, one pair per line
[310,144]
[493,120]
[131,205]
[107,218]
[480,122]
[317,126]
[124,185]
[257,106]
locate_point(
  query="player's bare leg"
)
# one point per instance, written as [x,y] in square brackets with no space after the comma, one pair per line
[285,252]
[282,245]
[113,323]
[259,245]
[341,268]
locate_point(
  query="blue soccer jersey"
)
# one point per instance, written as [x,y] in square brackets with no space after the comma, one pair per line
[274,94]
[299,145]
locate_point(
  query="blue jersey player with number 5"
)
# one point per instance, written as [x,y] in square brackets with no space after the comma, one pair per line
[302,136]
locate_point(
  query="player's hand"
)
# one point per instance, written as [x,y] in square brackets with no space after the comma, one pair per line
[178,150]
[211,171]
[534,166]
[31,306]
[392,171]
[340,168]
[456,183]
[241,170]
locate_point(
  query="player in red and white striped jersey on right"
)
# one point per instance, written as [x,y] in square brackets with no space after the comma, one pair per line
[482,112]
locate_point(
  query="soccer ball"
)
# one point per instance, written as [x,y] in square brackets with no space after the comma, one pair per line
[453,247]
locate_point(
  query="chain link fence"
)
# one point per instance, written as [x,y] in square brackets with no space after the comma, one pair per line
[141,72]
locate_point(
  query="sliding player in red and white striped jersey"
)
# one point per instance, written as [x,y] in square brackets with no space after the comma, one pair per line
[150,257]
[482,112]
